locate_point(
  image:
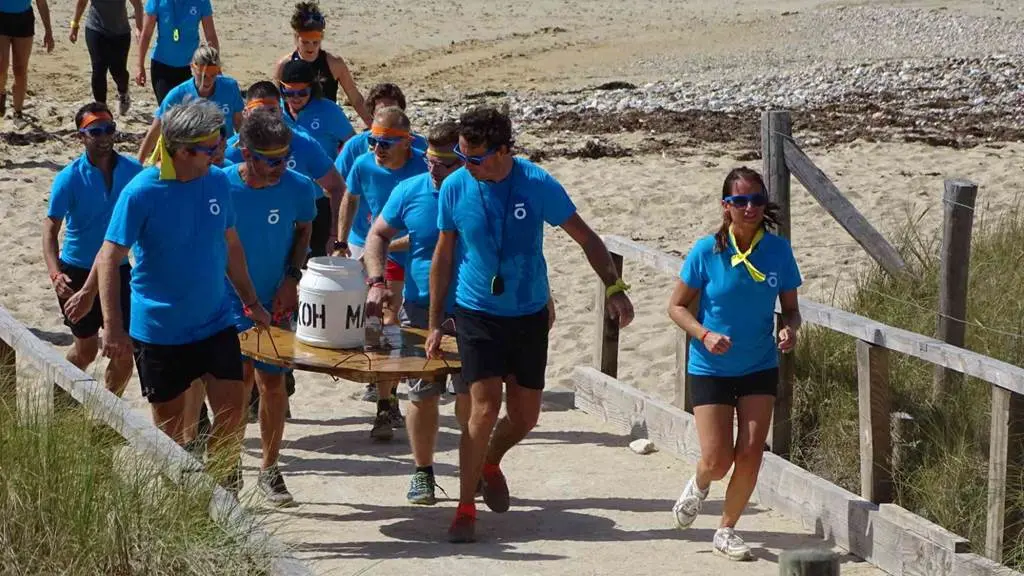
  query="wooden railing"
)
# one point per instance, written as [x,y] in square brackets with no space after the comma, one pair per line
[35,396]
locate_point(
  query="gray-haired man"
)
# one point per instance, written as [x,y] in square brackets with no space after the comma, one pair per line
[178,219]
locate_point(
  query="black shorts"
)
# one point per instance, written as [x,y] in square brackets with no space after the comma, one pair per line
[164,78]
[167,371]
[321,228]
[499,346]
[727,390]
[18,24]
[91,323]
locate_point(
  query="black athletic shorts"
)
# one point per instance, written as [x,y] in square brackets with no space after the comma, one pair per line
[728,390]
[91,323]
[18,24]
[502,346]
[167,371]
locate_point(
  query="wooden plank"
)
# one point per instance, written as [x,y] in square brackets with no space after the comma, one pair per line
[8,373]
[833,201]
[926,348]
[957,223]
[933,532]
[776,129]
[999,436]
[781,435]
[885,540]
[874,422]
[606,341]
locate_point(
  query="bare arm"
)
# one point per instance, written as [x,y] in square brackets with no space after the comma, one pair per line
[377,246]
[441,276]
[76,19]
[44,15]
[149,141]
[137,7]
[279,66]
[148,26]
[238,271]
[355,98]
[349,207]
[106,266]
[51,248]
[680,310]
[210,32]
[334,186]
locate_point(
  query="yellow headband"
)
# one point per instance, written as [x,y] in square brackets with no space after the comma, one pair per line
[442,155]
[273,152]
[163,155]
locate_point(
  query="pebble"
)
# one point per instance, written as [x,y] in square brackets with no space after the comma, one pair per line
[642,446]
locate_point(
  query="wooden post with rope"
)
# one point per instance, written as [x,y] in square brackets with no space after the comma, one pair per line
[776,127]
[957,223]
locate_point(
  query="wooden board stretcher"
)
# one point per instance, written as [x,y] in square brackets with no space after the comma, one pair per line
[401,354]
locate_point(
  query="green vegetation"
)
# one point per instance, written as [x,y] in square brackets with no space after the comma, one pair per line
[73,502]
[943,467]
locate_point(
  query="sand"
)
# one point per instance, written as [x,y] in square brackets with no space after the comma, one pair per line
[438,50]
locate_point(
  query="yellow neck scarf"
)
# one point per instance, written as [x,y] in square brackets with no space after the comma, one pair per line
[741,257]
[163,156]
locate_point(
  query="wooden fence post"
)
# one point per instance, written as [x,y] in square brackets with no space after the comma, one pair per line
[958,220]
[681,394]
[8,373]
[776,127]
[606,343]
[1004,454]
[874,422]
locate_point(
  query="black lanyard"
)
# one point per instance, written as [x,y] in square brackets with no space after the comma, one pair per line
[497,282]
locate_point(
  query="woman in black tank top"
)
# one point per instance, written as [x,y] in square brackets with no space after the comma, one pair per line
[308,24]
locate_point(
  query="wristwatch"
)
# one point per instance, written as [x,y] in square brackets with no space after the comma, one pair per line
[293,272]
[340,245]
[375,280]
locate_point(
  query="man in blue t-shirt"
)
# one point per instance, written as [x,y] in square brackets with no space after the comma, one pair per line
[371,181]
[206,82]
[307,157]
[305,105]
[178,219]
[83,195]
[413,207]
[274,210]
[491,216]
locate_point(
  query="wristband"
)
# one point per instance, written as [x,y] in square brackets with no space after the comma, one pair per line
[74,24]
[705,335]
[54,276]
[619,286]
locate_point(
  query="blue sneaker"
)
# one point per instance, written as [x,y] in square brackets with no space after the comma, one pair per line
[421,489]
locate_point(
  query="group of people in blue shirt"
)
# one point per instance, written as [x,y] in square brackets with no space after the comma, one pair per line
[450,229]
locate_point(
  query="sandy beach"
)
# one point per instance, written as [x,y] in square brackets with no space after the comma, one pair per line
[548,58]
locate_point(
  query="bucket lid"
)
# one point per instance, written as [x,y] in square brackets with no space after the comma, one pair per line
[335,264]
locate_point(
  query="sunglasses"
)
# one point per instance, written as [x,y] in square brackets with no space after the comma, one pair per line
[744,200]
[314,19]
[474,160]
[99,129]
[300,93]
[384,143]
[271,161]
[208,150]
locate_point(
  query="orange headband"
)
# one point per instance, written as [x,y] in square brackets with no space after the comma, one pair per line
[206,70]
[311,34]
[381,132]
[92,117]
[260,103]
[295,85]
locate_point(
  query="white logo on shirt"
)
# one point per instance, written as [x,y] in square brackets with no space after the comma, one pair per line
[291,163]
[315,124]
[520,211]
[225,109]
[214,207]
[193,11]
[274,217]
[773,279]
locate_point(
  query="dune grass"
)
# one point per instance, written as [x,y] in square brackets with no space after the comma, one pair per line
[943,468]
[73,501]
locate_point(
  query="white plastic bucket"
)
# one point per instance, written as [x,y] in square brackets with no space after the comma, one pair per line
[332,297]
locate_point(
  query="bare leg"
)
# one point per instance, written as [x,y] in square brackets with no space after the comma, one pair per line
[485,404]
[83,351]
[119,371]
[273,404]
[462,404]
[523,407]
[422,422]
[227,400]
[755,415]
[714,429]
[168,416]
[194,398]
[5,61]
[21,50]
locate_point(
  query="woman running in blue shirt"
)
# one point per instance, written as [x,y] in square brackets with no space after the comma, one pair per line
[737,275]
[176,23]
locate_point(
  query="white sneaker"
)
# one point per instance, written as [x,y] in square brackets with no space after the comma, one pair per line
[729,544]
[687,507]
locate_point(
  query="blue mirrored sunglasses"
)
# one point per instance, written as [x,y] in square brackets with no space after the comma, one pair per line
[384,143]
[99,129]
[272,161]
[208,150]
[474,160]
[742,200]
[301,93]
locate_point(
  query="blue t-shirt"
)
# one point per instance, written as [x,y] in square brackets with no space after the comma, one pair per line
[374,183]
[326,123]
[183,16]
[226,95]
[80,197]
[355,147]
[15,6]
[733,304]
[413,207]
[265,220]
[521,204]
[176,231]
[306,158]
